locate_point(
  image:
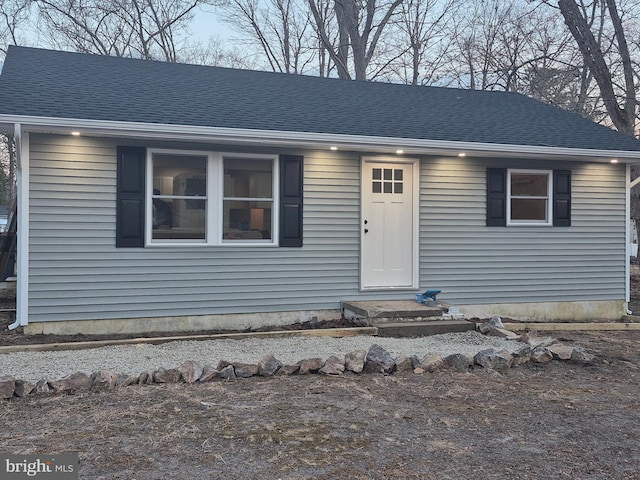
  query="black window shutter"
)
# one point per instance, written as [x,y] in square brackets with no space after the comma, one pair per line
[291,190]
[496,197]
[562,198]
[130,198]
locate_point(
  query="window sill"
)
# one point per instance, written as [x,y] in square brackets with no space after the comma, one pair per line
[529,224]
[210,245]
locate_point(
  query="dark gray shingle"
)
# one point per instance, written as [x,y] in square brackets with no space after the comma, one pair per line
[36,82]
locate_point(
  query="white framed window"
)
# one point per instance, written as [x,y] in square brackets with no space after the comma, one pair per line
[529,197]
[211,198]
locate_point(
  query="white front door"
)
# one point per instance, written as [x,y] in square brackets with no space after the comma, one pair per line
[388,229]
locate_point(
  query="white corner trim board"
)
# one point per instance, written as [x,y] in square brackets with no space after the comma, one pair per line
[22,294]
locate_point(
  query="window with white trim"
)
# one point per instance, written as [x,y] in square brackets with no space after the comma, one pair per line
[211,198]
[529,197]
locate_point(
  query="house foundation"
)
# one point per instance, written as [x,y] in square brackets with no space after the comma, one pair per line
[195,323]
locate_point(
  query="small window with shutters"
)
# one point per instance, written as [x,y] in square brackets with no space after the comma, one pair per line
[518,197]
[529,197]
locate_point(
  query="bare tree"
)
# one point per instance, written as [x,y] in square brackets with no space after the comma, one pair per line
[13,15]
[281,30]
[216,53]
[360,25]
[621,104]
[497,40]
[420,40]
[7,170]
[150,29]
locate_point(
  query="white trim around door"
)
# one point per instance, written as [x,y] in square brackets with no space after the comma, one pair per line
[389,223]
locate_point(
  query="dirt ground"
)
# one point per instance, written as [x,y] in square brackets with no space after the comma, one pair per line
[562,420]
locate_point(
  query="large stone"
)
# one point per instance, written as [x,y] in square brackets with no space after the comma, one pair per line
[508,359]
[310,365]
[268,366]
[42,386]
[289,369]
[431,363]
[333,366]
[7,386]
[404,364]
[245,370]
[228,373]
[208,373]
[124,380]
[190,371]
[493,359]
[24,388]
[561,351]
[535,341]
[76,382]
[459,361]
[166,375]
[354,361]
[485,358]
[503,333]
[521,355]
[222,364]
[415,361]
[145,378]
[579,355]
[541,355]
[103,380]
[379,360]
[495,322]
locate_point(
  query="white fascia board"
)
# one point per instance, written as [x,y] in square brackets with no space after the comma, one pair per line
[309,139]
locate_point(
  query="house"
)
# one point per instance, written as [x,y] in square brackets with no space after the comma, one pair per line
[158,196]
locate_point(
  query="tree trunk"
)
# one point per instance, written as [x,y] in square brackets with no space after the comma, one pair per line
[623,117]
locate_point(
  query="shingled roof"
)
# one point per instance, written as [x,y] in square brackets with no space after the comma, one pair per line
[46,83]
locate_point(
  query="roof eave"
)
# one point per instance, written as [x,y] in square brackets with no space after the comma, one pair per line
[410,146]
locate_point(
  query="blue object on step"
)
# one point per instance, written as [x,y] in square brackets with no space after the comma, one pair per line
[422,297]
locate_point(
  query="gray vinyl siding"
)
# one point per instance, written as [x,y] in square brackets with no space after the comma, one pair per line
[475,264]
[77,273]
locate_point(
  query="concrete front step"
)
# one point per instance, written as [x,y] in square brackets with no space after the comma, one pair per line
[423,329]
[380,311]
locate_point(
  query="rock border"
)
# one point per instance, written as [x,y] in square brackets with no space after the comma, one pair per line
[540,350]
